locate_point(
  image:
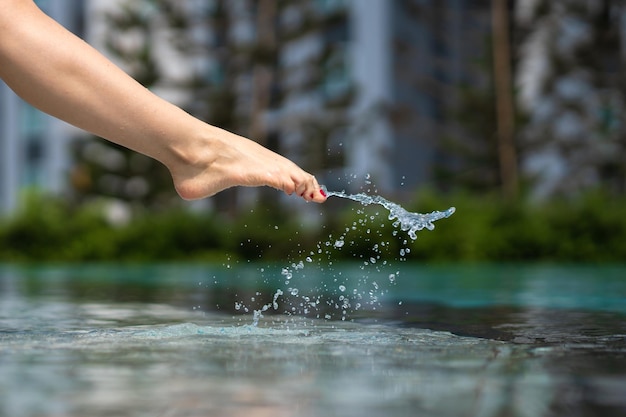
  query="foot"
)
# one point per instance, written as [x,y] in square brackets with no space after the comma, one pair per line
[225,160]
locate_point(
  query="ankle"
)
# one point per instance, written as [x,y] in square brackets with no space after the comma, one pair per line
[191,152]
[192,165]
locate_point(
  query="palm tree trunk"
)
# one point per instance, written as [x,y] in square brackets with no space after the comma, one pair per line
[505,111]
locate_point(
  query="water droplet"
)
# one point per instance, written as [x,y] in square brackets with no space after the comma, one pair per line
[339,243]
[342,288]
[287,274]
[392,277]
[276,295]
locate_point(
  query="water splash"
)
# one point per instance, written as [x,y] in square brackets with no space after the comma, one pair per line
[364,294]
[406,220]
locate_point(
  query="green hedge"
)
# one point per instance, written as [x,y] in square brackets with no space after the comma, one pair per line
[591,228]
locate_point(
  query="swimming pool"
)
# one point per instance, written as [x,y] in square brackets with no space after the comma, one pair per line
[344,340]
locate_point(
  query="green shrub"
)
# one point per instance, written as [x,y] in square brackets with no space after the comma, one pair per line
[591,228]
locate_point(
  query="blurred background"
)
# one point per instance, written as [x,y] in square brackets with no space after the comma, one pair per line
[512,111]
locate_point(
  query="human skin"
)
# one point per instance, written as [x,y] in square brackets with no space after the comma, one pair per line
[60,74]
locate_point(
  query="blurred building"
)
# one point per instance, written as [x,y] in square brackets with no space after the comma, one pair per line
[406,59]
[431,48]
[34,146]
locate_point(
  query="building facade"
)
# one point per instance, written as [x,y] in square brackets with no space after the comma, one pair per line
[405,59]
[435,47]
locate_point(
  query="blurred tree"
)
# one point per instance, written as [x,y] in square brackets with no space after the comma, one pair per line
[505,111]
[262,69]
[573,87]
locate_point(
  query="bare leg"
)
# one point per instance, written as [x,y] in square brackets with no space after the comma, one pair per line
[63,76]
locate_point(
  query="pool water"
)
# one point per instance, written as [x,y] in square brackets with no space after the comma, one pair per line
[184,340]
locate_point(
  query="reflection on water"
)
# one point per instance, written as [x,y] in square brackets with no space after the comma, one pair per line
[437,341]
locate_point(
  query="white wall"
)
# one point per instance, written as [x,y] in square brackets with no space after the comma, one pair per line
[370,144]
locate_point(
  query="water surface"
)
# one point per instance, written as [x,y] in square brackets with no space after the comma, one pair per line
[174,340]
